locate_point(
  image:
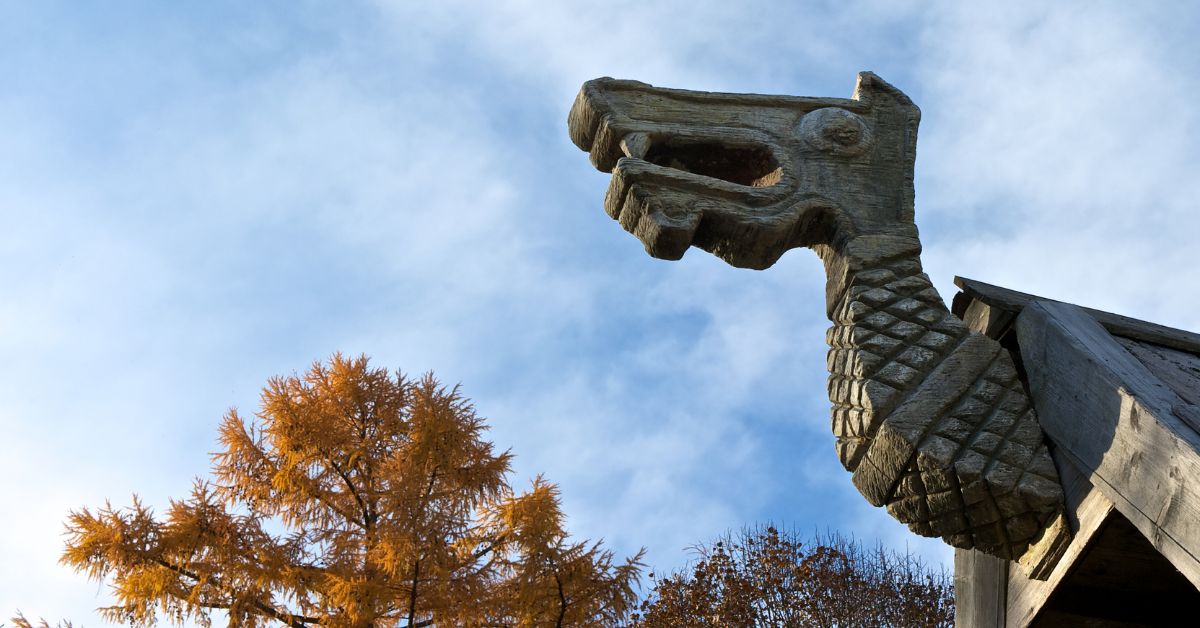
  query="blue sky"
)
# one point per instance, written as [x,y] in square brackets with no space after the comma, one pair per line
[195,198]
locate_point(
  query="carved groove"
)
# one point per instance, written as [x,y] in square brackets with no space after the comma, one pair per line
[979,474]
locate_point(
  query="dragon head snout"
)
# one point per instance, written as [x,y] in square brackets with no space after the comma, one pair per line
[744,177]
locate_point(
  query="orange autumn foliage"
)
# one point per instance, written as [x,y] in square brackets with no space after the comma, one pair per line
[353,498]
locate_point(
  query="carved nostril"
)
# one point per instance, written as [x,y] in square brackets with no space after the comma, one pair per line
[744,165]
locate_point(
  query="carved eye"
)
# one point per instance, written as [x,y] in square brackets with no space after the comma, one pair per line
[836,131]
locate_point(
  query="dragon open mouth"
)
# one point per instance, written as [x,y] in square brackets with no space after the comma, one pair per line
[727,188]
[744,165]
[602,123]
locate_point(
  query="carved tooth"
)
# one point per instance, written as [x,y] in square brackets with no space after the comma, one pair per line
[635,145]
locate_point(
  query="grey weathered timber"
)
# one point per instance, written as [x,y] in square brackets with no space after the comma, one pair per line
[989,592]
[929,415]
[980,582]
[1043,556]
[1006,304]
[1111,416]
[1087,511]
[1179,370]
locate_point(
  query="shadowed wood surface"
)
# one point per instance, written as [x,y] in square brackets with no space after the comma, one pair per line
[996,593]
[1119,422]
[1121,581]
[1179,370]
[1126,564]
[1087,511]
[1111,576]
[1008,303]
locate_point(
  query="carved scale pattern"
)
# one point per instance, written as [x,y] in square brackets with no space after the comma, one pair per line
[977,471]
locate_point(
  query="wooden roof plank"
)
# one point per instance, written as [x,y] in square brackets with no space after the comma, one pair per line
[1014,301]
[1117,423]
[1178,369]
[1087,511]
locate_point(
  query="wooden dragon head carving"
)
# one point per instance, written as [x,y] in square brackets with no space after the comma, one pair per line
[749,177]
[928,415]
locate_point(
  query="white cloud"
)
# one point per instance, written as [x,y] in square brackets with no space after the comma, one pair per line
[1068,134]
[402,188]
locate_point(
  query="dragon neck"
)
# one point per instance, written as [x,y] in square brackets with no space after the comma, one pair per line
[929,416]
[890,330]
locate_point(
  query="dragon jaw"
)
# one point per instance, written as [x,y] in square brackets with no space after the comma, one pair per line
[749,177]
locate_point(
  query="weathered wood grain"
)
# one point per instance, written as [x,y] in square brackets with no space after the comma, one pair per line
[1117,422]
[1014,301]
[1120,580]
[1044,554]
[979,589]
[1179,370]
[985,318]
[1087,510]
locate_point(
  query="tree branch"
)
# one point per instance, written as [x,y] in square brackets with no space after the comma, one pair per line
[362,505]
[315,493]
[562,601]
[491,546]
[295,621]
[412,596]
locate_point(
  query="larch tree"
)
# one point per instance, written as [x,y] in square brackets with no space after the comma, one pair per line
[764,578]
[353,498]
[21,621]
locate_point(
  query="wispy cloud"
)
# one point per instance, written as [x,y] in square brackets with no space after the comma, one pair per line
[210,199]
[1067,133]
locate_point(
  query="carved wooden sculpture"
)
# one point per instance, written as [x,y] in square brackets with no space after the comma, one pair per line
[929,416]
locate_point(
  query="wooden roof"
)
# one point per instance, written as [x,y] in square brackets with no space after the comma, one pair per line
[1007,304]
[1119,401]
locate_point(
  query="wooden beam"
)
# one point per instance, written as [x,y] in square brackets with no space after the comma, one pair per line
[979,589]
[1039,561]
[1118,424]
[1178,369]
[1014,302]
[1087,509]
[985,318]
